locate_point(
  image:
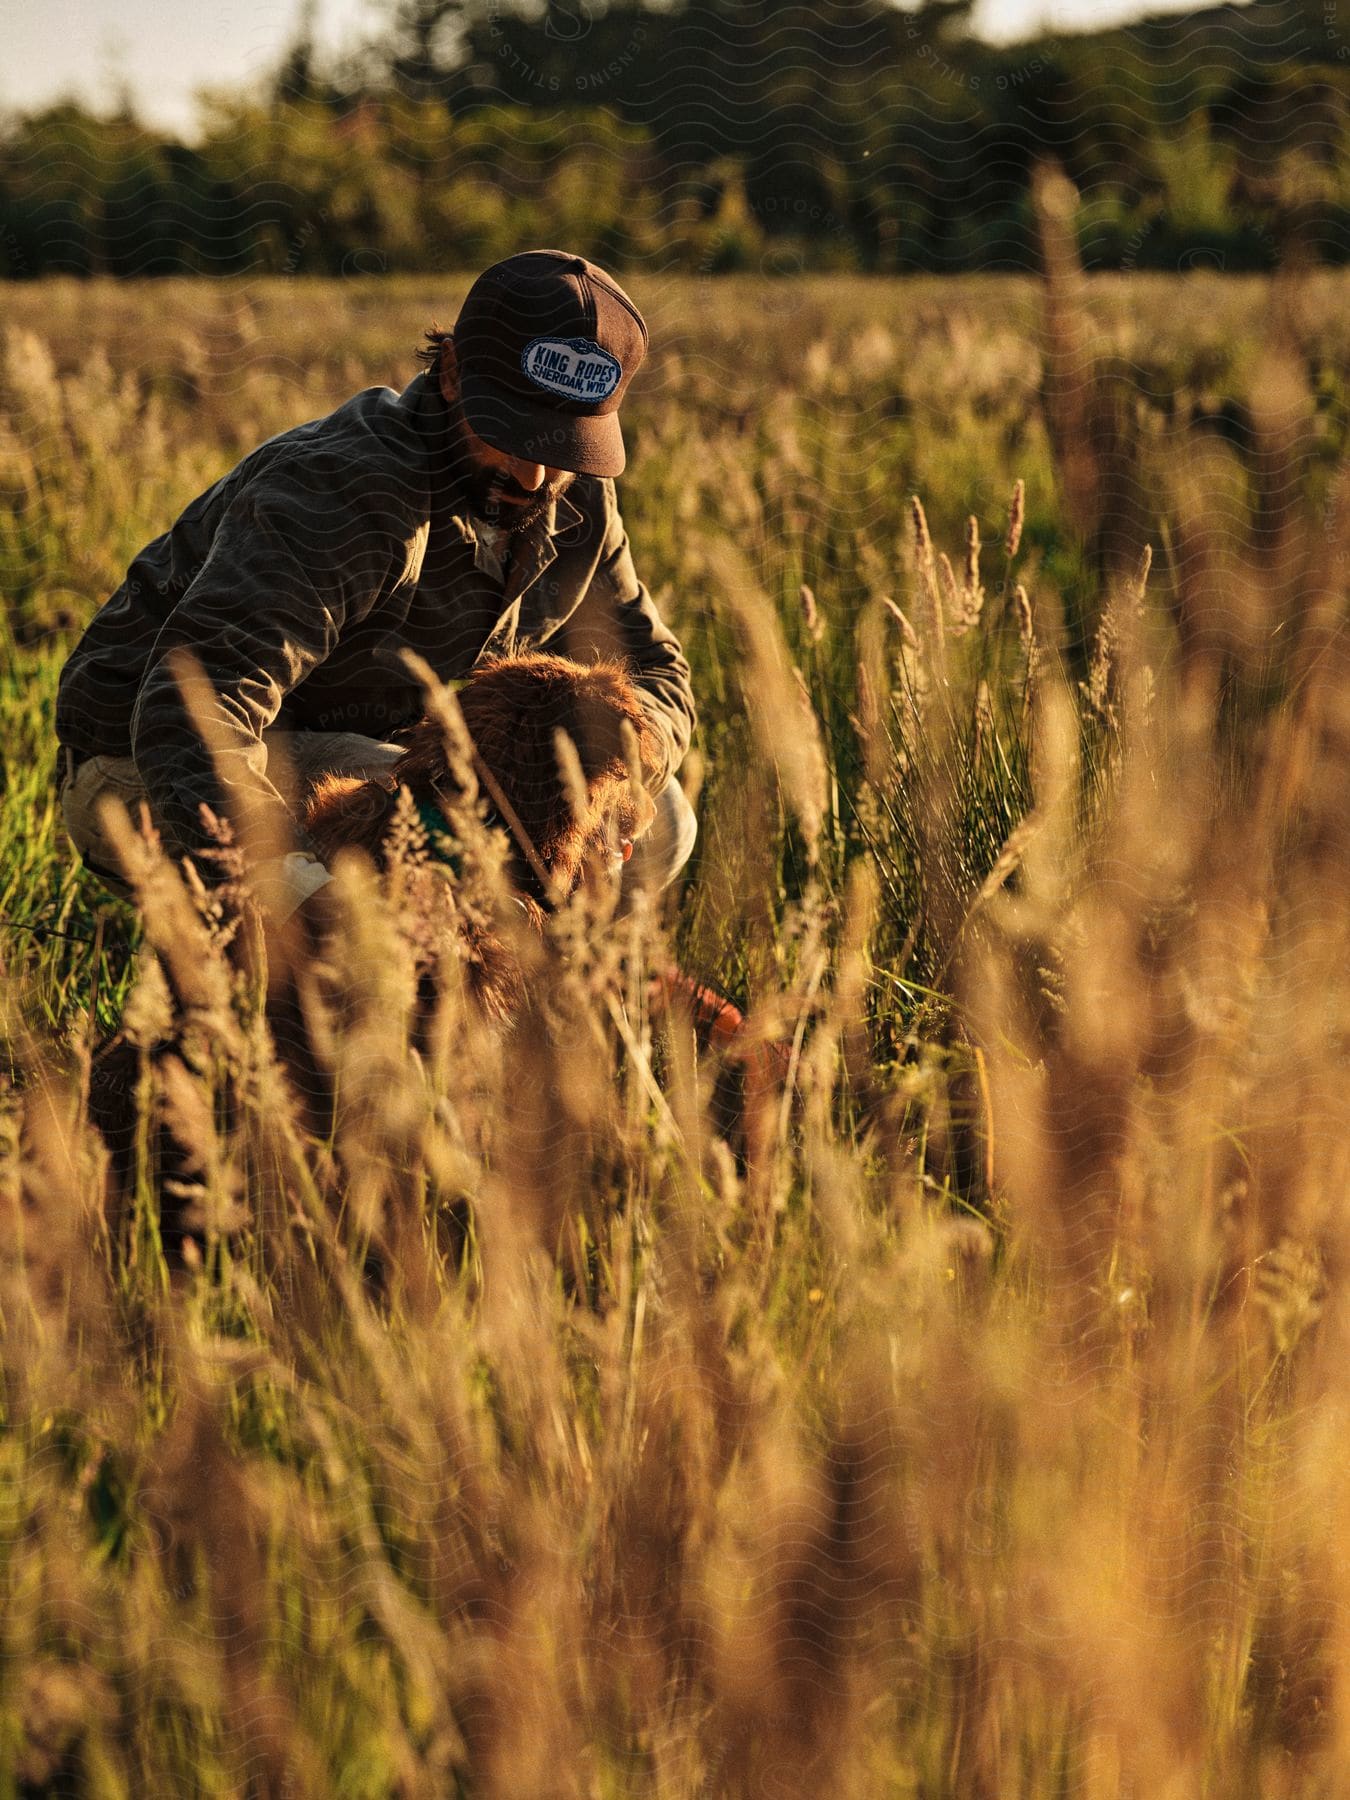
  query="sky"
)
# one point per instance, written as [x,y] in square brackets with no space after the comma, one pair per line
[164,50]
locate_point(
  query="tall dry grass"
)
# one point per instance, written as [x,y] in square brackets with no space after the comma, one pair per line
[974,1427]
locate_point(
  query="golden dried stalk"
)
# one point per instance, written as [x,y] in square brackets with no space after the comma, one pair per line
[811,615]
[907,631]
[951,593]
[927,567]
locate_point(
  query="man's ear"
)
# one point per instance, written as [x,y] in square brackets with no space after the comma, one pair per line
[448,370]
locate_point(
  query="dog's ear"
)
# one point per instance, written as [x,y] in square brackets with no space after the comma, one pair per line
[515,742]
[514,708]
[346,810]
[597,704]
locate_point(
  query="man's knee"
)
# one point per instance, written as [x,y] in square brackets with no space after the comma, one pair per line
[667,846]
[683,825]
[82,789]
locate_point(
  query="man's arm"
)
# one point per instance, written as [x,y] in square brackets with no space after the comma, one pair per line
[287,571]
[618,617]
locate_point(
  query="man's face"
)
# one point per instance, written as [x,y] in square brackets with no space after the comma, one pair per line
[506,491]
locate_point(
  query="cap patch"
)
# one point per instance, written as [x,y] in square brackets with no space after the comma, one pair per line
[574,367]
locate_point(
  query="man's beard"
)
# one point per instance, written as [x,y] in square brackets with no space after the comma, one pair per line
[484,488]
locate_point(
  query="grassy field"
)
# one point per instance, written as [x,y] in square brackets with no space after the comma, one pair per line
[974,1429]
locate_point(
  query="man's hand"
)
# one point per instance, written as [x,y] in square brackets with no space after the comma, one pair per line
[297,909]
[315,921]
[298,943]
[283,883]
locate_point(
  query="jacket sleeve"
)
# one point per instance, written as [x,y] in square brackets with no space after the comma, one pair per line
[287,570]
[618,617]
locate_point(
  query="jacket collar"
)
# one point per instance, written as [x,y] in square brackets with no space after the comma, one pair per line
[529,554]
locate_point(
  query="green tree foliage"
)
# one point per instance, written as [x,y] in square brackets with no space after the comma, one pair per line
[714,134]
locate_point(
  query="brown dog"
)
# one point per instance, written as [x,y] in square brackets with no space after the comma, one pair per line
[558,831]
[514,708]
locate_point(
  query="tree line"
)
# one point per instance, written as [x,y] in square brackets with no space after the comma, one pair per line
[712,135]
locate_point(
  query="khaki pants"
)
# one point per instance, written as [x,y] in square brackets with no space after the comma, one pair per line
[305,758]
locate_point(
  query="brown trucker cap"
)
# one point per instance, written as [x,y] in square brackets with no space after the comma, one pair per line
[546,345]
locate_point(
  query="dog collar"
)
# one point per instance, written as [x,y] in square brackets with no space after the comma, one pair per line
[440,838]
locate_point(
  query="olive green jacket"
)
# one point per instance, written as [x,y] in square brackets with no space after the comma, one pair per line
[300,576]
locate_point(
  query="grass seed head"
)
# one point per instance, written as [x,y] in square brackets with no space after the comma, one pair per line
[1026,629]
[1012,541]
[923,538]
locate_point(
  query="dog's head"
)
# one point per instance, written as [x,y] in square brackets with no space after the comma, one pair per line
[515,707]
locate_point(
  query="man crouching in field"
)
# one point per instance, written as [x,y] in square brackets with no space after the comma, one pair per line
[473,512]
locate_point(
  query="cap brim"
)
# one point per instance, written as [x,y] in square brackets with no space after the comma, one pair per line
[584,443]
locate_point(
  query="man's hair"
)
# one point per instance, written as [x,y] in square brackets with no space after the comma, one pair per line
[429,353]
